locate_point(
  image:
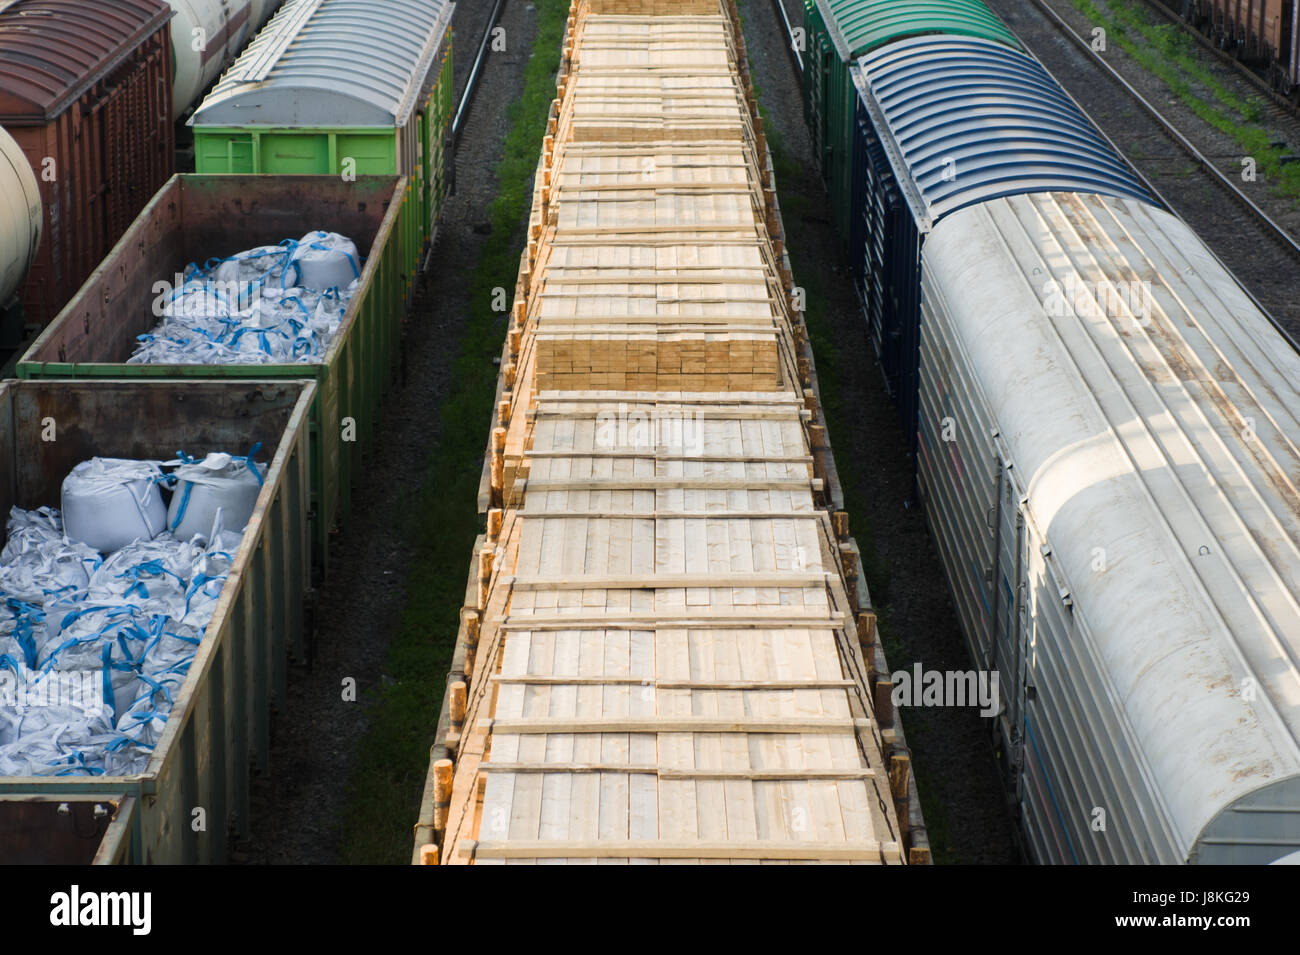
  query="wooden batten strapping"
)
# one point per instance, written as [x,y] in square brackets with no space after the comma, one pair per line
[458,692]
[849,564]
[486,558]
[442,779]
[884,700]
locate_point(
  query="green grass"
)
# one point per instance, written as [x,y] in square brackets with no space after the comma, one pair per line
[1167,52]
[385,788]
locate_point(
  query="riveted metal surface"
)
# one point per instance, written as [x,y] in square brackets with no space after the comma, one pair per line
[53,51]
[839,31]
[943,123]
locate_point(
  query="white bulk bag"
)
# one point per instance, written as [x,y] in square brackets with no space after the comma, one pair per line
[197,303]
[9,647]
[66,749]
[77,632]
[30,527]
[326,260]
[22,626]
[147,716]
[109,502]
[124,757]
[171,648]
[253,269]
[36,558]
[13,678]
[146,571]
[35,568]
[218,482]
[42,719]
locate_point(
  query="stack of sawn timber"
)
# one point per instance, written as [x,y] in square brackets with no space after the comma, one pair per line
[659,655]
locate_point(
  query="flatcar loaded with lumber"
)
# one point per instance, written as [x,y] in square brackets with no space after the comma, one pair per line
[667,652]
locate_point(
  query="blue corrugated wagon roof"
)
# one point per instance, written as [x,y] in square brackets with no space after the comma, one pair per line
[965,120]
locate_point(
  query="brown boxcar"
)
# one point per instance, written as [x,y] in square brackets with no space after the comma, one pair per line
[1262,32]
[1286,72]
[86,90]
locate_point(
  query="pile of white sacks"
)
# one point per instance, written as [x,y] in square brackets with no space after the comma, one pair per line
[104,604]
[276,304]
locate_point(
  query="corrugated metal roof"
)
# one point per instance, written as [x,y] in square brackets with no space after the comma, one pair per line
[860,26]
[332,63]
[1153,415]
[965,120]
[52,51]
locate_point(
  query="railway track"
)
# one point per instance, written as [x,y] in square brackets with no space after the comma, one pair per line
[1248,239]
[471,84]
[790,43]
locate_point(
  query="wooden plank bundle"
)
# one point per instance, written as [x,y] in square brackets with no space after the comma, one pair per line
[660,657]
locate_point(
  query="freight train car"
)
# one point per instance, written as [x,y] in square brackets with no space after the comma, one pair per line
[1106,432]
[218,726]
[944,122]
[659,656]
[197,217]
[1261,32]
[1109,466]
[841,31]
[330,88]
[21,218]
[85,89]
[206,36]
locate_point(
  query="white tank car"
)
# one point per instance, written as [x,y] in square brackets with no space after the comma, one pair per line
[206,36]
[21,216]
[1109,462]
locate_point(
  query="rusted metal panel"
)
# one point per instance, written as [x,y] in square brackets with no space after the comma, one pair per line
[84,830]
[1254,29]
[52,52]
[195,217]
[85,89]
[220,721]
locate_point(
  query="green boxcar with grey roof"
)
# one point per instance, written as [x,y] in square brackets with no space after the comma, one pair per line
[331,88]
